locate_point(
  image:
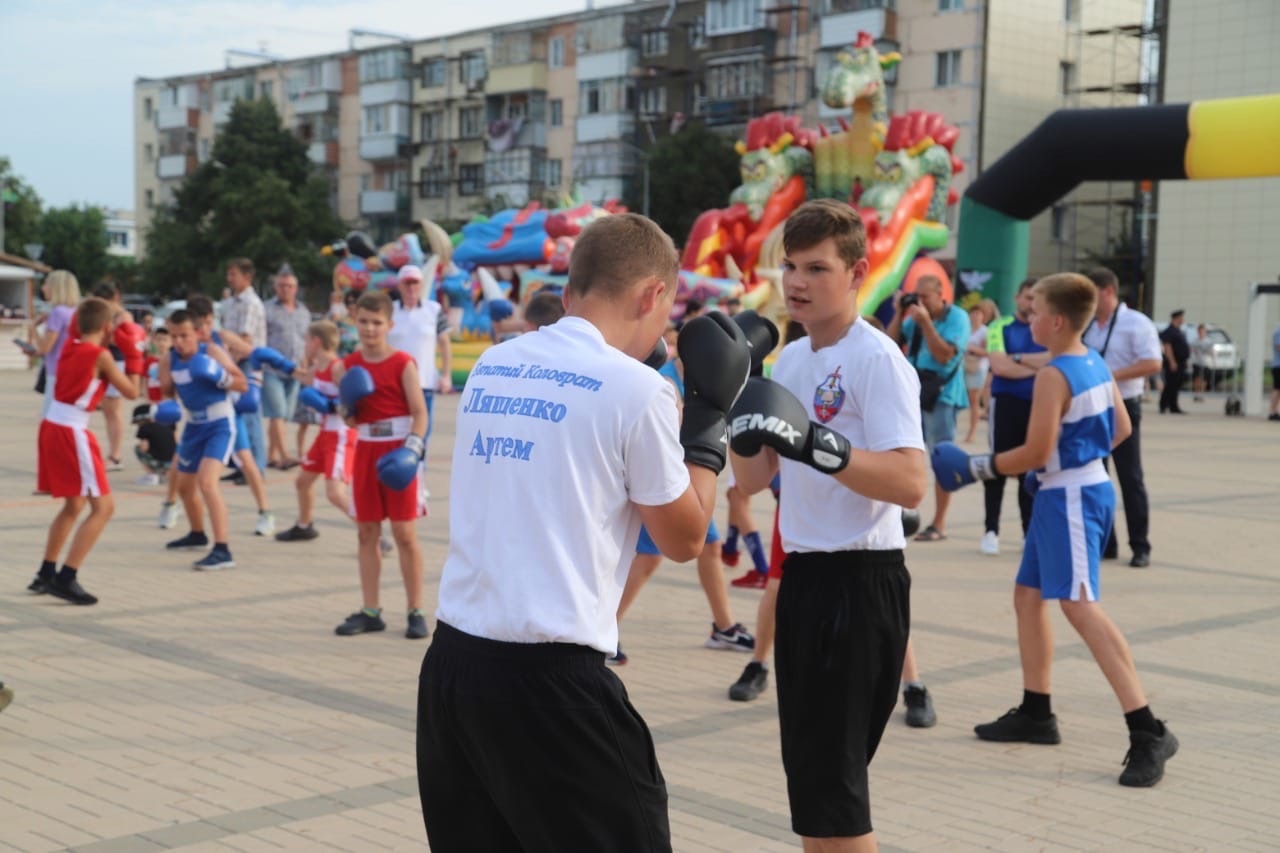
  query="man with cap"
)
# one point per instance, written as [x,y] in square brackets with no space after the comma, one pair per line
[1177,352]
[287,323]
[418,326]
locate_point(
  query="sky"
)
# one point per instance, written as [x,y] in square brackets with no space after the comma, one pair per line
[67,67]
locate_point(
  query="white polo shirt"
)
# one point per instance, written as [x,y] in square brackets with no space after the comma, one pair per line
[559,437]
[414,331]
[864,388]
[1134,339]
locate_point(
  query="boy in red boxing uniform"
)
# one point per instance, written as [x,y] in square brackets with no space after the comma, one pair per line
[69,462]
[332,454]
[388,412]
[128,342]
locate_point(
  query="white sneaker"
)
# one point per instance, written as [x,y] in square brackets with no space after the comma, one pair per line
[385,545]
[266,524]
[990,544]
[113,465]
[168,515]
[148,480]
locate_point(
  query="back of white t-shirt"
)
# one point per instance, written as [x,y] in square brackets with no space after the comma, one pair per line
[864,388]
[559,436]
[415,331]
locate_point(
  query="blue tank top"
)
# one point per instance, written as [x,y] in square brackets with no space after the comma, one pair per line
[1089,425]
[669,370]
[1017,339]
[197,397]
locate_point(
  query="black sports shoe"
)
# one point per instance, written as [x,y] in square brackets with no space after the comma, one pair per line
[1017,727]
[360,623]
[1140,561]
[297,533]
[6,696]
[40,584]
[749,685]
[920,713]
[191,540]
[71,591]
[1144,762]
[417,627]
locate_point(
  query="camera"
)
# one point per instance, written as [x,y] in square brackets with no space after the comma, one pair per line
[908,299]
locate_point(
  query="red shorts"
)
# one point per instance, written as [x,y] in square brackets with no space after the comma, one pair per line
[776,554]
[372,500]
[69,463]
[332,454]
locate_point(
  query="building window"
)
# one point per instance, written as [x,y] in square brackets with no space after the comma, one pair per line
[555,52]
[471,122]
[698,32]
[434,72]
[147,108]
[653,43]
[1067,77]
[150,199]
[471,179]
[589,97]
[606,96]
[948,69]
[557,112]
[204,150]
[950,5]
[554,172]
[699,98]
[149,152]
[472,68]
[432,182]
[653,102]
[376,120]
[736,80]
[1058,222]
[734,16]
[266,90]
[384,65]
[432,126]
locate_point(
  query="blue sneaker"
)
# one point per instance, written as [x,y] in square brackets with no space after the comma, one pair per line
[618,658]
[217,560]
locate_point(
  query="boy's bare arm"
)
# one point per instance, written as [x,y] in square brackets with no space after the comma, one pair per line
[898,476]
[165,377]
[238,380]
[413,395]
[679,528]
[107,370]
[1049,402]
[1124,424]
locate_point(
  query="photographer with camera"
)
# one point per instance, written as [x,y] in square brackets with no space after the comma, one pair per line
[935,334]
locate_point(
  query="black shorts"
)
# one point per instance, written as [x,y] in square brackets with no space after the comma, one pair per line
[1275,378]
[533,747]
[842,625]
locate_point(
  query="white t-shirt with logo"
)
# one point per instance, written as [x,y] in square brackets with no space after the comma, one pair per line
[864,388]
[414,331]
[559,437]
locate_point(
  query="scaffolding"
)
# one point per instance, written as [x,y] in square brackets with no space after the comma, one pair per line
[1113,66]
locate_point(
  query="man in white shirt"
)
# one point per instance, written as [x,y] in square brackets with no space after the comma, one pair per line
[1130,345]
[418,326]
[244,329]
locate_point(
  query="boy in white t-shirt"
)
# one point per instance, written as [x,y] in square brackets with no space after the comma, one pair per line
[843,608]
[566,442]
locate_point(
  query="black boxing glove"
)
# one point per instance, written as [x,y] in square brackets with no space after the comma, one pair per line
[762,336]
[716,361]
[658,357]
[768,415]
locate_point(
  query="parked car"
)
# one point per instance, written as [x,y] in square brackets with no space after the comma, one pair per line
[162,313]
[1215,356]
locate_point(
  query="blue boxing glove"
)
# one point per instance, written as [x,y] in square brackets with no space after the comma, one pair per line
[397,469]
[249,401]
[271,358]
[1031,483]
[167,412]
[954,468]
[205,369]
[314,399]
[355,385]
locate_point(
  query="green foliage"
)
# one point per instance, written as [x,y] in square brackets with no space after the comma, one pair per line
[689,172]
[75,238]
[21,211]
[258,196]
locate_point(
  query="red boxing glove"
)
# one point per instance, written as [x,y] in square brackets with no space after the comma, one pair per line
[131,340]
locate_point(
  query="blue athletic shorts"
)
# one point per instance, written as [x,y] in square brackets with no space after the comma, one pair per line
[646,545]
[1063,550]
[212,440]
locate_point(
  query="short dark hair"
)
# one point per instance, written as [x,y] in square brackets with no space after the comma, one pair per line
[817,220]
[544,308]
[106,290]
[93,315]
[163,330]
[617,251]
[243,264]
[1103,278]
[1027,283]
[200,306]
[181,316]
[376,300]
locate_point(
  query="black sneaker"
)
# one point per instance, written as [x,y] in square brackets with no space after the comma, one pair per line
[1017,727]
[70,591]
[235,478]
[753,680]
[191,540]
[40,584]
[920,713]
[297,533]
[6,696]
[360,623]
[1141,561]
[1144,762]
[417,626]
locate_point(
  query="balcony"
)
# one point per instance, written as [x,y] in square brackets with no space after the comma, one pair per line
[172,118]
[384,92]
[517,78]
[533,134]
[310,103]
[175,165]
[382,146]
[381,202]
[607,65]
[222,112]
[323,154]
[842,30]
[604,126]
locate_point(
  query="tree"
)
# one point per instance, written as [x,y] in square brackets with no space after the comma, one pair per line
[258,196]
[689,172]
[21,211]
[75,238]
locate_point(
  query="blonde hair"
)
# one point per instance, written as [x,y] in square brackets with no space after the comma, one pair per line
[326,333]
[64,288]
[990,311]
[1069,295]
